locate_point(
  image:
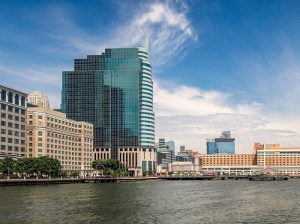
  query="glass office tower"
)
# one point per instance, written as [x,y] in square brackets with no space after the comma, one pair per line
[114,91]
[223,145]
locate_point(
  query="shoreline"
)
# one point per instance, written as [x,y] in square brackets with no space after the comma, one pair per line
[28,182]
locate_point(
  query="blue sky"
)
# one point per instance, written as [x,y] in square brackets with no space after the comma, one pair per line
[217,65]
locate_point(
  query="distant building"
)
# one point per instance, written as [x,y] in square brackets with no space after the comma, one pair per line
[13,120]
[183,157]
[50,133]
[282,160]
[166,153]
[38,99]
[223,145]
[182,149]
[171,145]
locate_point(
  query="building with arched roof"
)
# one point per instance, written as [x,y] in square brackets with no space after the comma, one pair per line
[12,125]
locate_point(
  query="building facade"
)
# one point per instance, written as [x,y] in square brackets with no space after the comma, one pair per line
[283,160]
[13,117]
[224,144]
[166,153]
[38,99]
[114,92]
[50,133]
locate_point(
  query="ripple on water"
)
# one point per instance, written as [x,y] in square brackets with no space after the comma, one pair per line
[230,201]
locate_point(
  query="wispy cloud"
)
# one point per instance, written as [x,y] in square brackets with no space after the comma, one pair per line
[167,23]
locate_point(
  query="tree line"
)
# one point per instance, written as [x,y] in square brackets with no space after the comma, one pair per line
[31,166]
[110,167]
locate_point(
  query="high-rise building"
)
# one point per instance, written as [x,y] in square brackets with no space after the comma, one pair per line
[13,120]
[38,99]
[182,149]
[166,151]
[223,145]
[114,92]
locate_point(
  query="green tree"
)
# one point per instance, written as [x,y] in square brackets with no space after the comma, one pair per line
[7,166]
[110,167]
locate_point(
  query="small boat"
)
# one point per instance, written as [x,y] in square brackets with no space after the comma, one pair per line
[268,177]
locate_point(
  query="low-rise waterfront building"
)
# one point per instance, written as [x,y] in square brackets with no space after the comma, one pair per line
[284,160]
[13,121]
[50,133]
[140,161]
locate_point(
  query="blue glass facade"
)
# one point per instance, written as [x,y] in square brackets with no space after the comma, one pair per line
[220,147]
[114,91]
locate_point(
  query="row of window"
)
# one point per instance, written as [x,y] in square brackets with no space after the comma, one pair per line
[13,98]
[12,148]
[11,117]
[13,109]
[11,125]
[11,132]
[11,140]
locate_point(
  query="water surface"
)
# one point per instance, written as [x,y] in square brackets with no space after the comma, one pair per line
[227,201]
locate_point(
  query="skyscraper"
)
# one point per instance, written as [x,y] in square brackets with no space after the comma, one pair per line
[113,91]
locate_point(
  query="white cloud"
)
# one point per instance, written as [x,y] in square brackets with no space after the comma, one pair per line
[187,100]
[190,115]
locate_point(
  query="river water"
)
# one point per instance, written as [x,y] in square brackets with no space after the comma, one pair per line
[226,201]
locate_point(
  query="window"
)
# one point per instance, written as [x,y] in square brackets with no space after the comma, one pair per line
[10,117]
[23,119]
[10,108]
[3,147]
[9,140]
[3,106]
[9,124]
[23,111]
[10,132]
[3,95]
[16,118]
[17,126]
[23,101]
[3,123]
[17,133]
[17,99]
[17,110]
[17,141]
[3,139]
[40,139]
[3,131]
[23,127]
[3,115]
[40,133]
[40,117]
